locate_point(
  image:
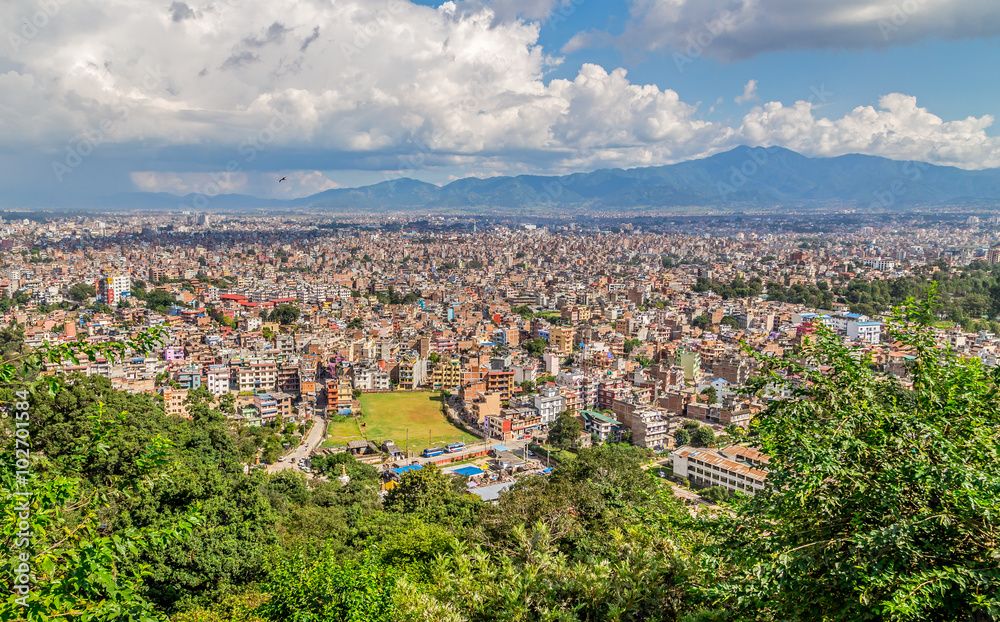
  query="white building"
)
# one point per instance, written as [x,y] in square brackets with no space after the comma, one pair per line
[839,322]
[114,288]
[880,264]
[549,403]
[735,468]
[217,379]
[869,332]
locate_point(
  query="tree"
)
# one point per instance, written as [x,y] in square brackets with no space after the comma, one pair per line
[285,314]
[565,430]
[730,321]
[716,494]
[80,292]
[711,394]
[682,437]
[703,321]
[160,301]
[703,437]
[324,588]
[631,344]
[880,502]
[429,494]
[535,346]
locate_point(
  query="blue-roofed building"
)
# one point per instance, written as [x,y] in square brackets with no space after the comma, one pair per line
[468,471]
[400,471]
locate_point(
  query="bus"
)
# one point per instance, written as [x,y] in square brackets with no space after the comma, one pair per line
[454,447]
[430,452]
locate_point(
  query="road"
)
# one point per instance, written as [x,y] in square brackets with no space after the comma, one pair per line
[514,446]
[312,442]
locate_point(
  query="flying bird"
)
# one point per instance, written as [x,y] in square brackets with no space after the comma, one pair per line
[282,179]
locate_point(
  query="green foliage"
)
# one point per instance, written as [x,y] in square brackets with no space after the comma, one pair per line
[716,494]
[81,291]
[565,431]
[703,437]
[711,394]
[285,314]
[882,500]
[430,494]
[631,344]
[535,346]
[731,321]
[703,321]
[357,471]
[322,588]
[682,437]
[160,301]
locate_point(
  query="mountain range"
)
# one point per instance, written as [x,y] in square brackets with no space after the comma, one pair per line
[744,177]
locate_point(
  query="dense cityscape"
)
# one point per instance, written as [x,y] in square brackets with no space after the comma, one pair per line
[641,333]
[499,311]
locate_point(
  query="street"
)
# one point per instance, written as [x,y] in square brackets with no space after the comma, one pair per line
[311,443]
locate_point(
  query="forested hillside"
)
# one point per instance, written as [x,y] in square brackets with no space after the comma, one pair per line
[882,504]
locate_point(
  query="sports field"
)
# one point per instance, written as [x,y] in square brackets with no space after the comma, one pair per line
[388,416]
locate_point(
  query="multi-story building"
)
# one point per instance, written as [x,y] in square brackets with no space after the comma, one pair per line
[549,403]
[173,402]
[267,407]
[735,468]
[869,332]
[217,379]
[561,339]
[289,380]
[189,377]
[447,374]
[500,381]
[114,288]
[412,373]
[339,396]
[600,425]
[650,428]
[372,378]
[256,376]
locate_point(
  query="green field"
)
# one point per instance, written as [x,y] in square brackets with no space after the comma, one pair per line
[339,432]
[388,416]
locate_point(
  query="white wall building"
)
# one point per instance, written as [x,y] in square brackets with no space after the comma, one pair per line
[735,468]
[549,403]
[869,332]
[114,288]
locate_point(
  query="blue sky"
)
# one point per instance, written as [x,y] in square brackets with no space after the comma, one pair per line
[216,96]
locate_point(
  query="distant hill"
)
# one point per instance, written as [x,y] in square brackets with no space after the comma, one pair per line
[743,177]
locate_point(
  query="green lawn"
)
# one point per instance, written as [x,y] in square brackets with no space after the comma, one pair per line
[339,432]
[388,416]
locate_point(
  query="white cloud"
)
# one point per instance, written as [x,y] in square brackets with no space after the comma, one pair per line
[897,129]
[295,87]
[749,93]
[738,29]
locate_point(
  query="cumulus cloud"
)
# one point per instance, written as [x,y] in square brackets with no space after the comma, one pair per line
[897,129]
[390,87]
[739,29]
[749,93]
